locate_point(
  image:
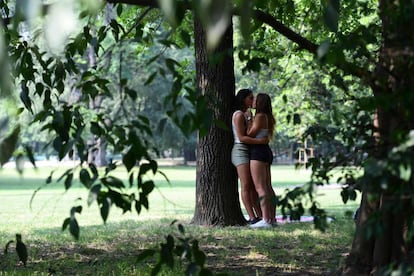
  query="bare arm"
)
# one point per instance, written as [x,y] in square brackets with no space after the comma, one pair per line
[241,130]
[259,122]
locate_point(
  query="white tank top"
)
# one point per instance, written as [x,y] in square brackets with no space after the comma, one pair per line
[264,132]
[233,126]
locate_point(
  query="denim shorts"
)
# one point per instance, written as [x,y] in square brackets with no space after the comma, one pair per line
[240,154]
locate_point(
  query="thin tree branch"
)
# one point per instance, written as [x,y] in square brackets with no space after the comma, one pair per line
[146,3]
[301,41]
[306,44]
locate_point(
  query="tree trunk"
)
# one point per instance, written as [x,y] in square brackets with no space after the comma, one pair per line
[217,197]
[392,86]
[98,145]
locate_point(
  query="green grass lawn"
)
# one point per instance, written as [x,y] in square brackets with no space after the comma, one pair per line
[290,248]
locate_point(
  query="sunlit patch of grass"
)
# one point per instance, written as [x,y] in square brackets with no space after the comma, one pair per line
[112,248]
[289,248]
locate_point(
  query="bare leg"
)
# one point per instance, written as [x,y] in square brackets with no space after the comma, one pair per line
[272,193]
[260,180]
[254,199]
[246,183]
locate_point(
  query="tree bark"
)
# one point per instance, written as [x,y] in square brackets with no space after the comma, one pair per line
[217,197]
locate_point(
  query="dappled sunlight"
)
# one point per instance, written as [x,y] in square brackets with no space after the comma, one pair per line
[287,248]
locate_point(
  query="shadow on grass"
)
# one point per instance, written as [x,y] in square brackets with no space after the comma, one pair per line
[289,249]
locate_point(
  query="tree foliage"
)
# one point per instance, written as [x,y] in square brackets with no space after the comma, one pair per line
[58,89]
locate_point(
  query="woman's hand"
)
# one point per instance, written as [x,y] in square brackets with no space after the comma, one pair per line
[248,114]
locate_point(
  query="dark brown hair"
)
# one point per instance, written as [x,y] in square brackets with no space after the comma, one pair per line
[241,95]
[264,105]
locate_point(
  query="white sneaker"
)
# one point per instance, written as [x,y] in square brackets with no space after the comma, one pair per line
[261,224]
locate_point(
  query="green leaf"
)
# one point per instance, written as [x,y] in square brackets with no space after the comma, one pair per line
[74,210]
[129,160]
[46,99]
[46,77]
[170,63]
[186,37]
[255,64]
[112,182]
[122,201]
[150,78]
[119,9]
[147,187]
[131,93]
[296,119]
[345,196]
[49,178]
[405,172]
[29,154]
[181,228]
[74,228]
[96,129]
[144,200]
[39,88]
[145,167]
[68,181]
[85,178]
[60,73]
[65,224]
[115,29]
[93,193]
[94,171]
[102,33]
[288,118]
[106,204]
[8,145]
[138,207]
[24,96]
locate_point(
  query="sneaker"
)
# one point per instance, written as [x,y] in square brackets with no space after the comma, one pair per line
[254,220]
[261,224]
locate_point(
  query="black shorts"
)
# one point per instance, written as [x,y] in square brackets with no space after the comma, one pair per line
[261,153]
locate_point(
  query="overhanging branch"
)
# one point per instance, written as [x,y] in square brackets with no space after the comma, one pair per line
[305,44]
[145,3]
[279,27]
[268,19]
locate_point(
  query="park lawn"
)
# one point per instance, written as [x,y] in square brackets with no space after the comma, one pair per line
[111,248]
